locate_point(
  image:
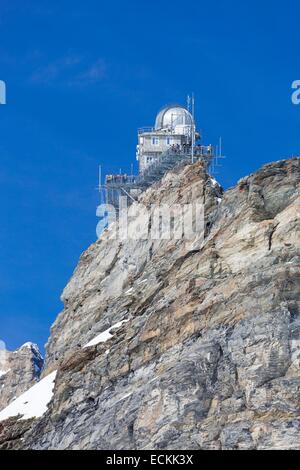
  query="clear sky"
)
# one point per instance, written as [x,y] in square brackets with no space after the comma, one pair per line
[82,77]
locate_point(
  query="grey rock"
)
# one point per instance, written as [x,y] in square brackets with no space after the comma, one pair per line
[210,355]
[20,370]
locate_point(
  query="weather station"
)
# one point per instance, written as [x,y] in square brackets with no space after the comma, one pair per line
[173,140]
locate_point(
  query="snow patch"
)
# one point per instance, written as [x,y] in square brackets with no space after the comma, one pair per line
[105,335]
[34,402]
[129,291]
[32,346]
[28,345]
[3,372]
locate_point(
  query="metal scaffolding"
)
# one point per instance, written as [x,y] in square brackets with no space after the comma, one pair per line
[132,186]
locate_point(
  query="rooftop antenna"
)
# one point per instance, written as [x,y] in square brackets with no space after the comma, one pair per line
[100,183]
[193,125]
[100,188]
[188,103]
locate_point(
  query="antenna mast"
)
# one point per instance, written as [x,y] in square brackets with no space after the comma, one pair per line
[193,126]
[188,103]
[100,183]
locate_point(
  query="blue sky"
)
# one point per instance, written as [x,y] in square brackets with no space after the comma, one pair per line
[82,77]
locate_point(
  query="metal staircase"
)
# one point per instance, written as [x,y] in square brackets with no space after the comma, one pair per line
[131,186]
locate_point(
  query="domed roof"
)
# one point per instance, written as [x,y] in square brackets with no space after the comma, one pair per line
[172,116]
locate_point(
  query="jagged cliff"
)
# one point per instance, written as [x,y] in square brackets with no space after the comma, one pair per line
[18,371]
[204,352]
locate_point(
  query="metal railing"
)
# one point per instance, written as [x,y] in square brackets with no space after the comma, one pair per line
[171,157]
[161,164]
[141,130]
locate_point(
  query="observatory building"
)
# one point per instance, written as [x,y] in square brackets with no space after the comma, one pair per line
[174,130]
[172,141]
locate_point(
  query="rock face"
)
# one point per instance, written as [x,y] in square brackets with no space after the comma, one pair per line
[209,355]
[19,370]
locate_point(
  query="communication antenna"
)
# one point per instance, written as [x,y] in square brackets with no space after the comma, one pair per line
[101,188]
[193,105]
[193,125]
[217,157]
[188,103]
[100,177]
[100,183]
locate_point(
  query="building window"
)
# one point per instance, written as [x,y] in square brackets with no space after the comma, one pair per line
[155,141]
[168,141]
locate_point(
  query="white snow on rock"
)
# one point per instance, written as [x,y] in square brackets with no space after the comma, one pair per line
[34,402]
[33,347]
[3,372]
[29,345]
[105,335]
[129,291]
[214,182]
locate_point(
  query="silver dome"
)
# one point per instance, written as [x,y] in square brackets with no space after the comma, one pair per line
[172,116]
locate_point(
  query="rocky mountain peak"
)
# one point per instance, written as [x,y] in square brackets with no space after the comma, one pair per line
[19,370]
[164,344]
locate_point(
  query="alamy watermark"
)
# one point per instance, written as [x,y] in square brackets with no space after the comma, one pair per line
[3,359]
[154,222]
[296,94]
[2,92]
